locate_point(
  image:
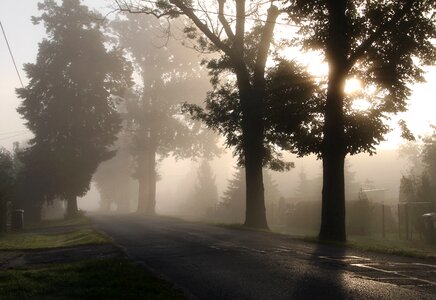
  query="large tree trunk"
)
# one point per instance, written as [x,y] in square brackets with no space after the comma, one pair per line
[147,183]
[72,209]
[253,131]
[151,201]
[255,213]
[252,100]
[333,198]
[334,146]
[333,191]
[143,183]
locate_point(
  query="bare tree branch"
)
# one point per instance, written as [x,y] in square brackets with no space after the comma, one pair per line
[240,25]
[203,27]
[224,22]
[264,44]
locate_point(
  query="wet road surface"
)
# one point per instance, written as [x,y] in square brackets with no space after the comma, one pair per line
[211,262]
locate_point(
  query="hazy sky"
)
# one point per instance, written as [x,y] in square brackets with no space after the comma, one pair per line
[24,37]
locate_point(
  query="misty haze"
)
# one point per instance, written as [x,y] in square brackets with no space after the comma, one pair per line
[217,149]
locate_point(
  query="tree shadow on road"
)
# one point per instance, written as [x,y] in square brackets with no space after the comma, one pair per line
[322,277]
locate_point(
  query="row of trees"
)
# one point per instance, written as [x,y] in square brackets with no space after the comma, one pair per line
[81,106]
[384,44]
[70,102]
[418,184]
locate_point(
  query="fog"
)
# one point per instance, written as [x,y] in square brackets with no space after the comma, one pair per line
[161,128]
[179,177]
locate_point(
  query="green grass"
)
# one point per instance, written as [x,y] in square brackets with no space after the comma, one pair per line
[27,241]
[95,279]
[391,245]
[79,220]
[375,243]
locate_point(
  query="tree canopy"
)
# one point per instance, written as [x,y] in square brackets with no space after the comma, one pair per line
[384,44]
[7,182]
[153,120]
[68,104]
[243,53]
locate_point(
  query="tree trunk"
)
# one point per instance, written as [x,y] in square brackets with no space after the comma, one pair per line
[143,183]
[147,183]
[334,151]
[253,131]
[334,145]
[252,101]
[72,210]
[151,201]
[333,198]
[255,213]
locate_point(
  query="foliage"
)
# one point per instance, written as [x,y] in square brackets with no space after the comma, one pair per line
[205,191]
[291,109]
[155,126]
[389,42]
[215,30]
[169,77]
[7,182]
[385,45]
[419,182]
[68,103]
[7,175]
[232,205]
[113,177]
[310,188]
[428,155]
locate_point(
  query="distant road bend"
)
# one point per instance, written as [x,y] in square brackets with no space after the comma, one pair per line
[211,262]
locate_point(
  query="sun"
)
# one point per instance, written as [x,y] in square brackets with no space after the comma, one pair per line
[352,86]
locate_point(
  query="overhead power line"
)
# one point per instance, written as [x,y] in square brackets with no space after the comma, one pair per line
[14,136]
[12,56]
[138,9]
[14,132]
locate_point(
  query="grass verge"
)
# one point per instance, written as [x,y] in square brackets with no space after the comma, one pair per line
[414,248]
[29,241]
[92,279]
[79,220]
[389,245]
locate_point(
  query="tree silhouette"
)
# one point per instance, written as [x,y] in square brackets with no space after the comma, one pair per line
[204,197]
[384,44]
[233,199]
[68,103]
[419,183]
[113,178]
[215,29]
[429,158]
[154,120]
[7,181]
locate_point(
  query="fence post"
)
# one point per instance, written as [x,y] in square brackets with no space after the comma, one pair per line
[406,213]
[383,220]
[399,222]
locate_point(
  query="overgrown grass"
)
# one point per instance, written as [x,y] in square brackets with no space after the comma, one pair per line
[96,279]
[27,241]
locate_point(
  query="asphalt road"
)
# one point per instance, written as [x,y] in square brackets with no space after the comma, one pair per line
[213,262]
